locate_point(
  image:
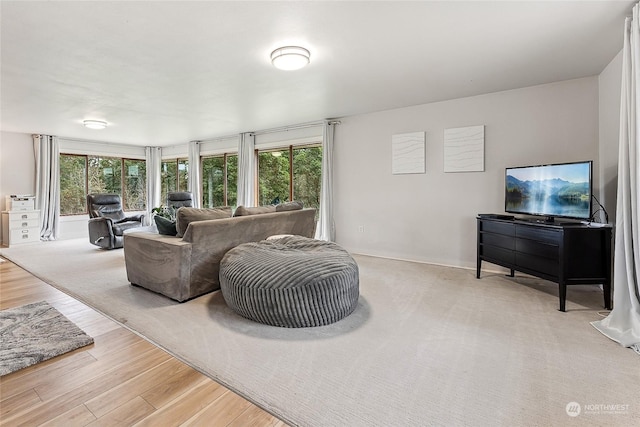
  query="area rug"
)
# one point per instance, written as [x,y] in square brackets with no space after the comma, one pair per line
[426,345]
[34,333]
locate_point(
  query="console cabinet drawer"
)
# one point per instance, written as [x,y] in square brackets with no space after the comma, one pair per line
[539,234]
[499,255]
[498,228]
[533,247]
[498,240]
[541,265]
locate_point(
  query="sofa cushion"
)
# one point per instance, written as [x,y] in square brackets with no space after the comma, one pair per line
[244,211]
[289,206]
[165,226]
[185,216]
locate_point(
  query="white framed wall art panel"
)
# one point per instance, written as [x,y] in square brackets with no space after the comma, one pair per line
[464,149]
[408,153]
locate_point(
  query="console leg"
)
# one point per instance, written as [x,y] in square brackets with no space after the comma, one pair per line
[512,274]
[563,296]
[607,295]
[478,269]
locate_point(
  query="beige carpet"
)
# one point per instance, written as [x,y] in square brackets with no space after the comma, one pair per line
[427,345]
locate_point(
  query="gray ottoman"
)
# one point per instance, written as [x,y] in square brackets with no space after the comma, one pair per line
[293,282]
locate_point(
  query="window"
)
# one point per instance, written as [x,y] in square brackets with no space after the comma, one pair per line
[292,173]
[73,184]
[274,177]
[135,185]
[81,175]
[307,175]
[219,180]
[174,175]
[105,175]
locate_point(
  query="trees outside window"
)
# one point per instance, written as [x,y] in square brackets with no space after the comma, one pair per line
[289,173]
[73,184]
[81,175]
[135,185]
[274,170]
[232,180]
[105,175]
[307,175]
[292,173]
[219,180]
[174,176]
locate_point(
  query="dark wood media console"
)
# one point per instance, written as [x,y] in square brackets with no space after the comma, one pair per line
[565,253]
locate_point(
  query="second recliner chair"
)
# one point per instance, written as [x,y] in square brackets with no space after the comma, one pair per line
[178,199]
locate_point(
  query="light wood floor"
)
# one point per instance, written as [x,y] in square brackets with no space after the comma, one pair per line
[120,380]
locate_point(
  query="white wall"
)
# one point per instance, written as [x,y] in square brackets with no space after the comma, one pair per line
[17,166]
[609,86]
[431,217]
[423,217]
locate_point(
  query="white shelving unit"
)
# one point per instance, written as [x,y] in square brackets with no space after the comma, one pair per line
[20,222]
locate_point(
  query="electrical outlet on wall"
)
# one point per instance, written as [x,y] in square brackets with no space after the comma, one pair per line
[361,228]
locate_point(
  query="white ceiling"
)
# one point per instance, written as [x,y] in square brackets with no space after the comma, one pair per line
[163,73]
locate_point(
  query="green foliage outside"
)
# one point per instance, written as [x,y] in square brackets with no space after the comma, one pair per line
[73,197]
[80,175]
[232,181]
[110,174]
[135,185]
[273,177]
[213,181]
[105,175]
[174,176]
[307,176]
[168,182]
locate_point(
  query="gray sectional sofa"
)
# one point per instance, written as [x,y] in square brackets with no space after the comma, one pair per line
[185,267]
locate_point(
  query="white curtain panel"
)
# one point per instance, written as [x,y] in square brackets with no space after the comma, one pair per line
[153,156]
[246,170]
[325,229]
[47,155]
[623,323]
[194,172]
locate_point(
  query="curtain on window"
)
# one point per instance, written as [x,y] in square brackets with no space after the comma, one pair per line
[47,155]
[194,172]
[623,323]
[325,229]
[246,170]
[153,156]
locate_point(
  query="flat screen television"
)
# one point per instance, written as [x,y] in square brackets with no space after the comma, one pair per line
[556,190]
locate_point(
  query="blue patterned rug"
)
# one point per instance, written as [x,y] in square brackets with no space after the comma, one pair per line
[34,333]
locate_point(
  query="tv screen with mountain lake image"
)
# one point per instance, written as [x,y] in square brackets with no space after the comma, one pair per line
[562,190]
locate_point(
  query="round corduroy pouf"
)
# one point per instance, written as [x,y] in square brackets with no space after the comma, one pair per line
[293,282]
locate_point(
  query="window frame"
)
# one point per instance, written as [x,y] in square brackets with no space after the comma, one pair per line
[289,149]
[86,180]
[225,187]
[176,161]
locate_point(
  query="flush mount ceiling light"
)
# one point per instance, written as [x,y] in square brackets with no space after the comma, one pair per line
[94,124]
[290,58]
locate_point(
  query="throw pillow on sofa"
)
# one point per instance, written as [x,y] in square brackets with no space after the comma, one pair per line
[185,216]
[289,206]
[165,226]
[244,211]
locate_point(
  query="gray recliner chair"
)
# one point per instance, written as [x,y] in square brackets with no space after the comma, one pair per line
[108,222]
[178,199]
